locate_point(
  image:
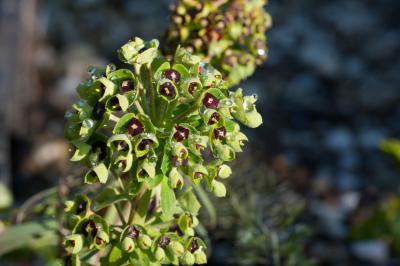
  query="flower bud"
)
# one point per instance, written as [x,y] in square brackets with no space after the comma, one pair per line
[176,248]
[145,169]
[175,179]
[128,244]
[74,243]
[200,257]
[101,239]
[224,171]
[144,241]
[224,152]
[197,172]
[159,254]
[219,189]
[188,258]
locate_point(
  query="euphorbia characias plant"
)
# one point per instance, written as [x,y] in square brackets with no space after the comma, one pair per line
[148,134]
[229,34]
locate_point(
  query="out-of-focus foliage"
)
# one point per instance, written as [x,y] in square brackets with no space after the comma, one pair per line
[261,216]
[230,34]
[382,221]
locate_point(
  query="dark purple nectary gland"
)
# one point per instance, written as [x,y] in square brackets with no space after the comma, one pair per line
[132,232]
[181,133]
[214,118]
[135,127]
[127,86]
[145,144]
[167,90]
[164,241]
[193,86]
[220,133]
[89,227]
[173,75]
[210,101]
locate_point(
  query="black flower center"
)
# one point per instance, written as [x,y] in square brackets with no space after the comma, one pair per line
[81,207]
[135,127]
[173,75]
[89,227]
[98,110]
[127,86]
[100,148]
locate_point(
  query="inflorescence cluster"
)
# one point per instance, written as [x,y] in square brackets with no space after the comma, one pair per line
[229,34]
[149,134]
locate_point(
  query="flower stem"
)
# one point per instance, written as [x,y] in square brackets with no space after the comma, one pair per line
[120,213]
[188,111]
[139,107]
[151,93]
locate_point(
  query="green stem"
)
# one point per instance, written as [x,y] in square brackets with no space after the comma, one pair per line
[186,113]
[151,93]
[207,204]
[120,213]
[170,109]
[139,107]
[135,203]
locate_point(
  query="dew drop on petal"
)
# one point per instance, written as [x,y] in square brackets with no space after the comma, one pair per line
[88,123]
[261,52]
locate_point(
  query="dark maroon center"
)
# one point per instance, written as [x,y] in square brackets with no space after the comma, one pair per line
[89,227]
[193,246]
[127,86]
[193,86]
[164,241]
[181,133]
[173,75]
[220,133]
[210,101]
[167,89]
[145,144]
[135,127]
[132,232]
[214,118]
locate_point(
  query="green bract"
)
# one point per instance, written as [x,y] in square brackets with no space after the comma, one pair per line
[148,134]
[229,34]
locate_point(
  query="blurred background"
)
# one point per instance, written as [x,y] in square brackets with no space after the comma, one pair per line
[312,185]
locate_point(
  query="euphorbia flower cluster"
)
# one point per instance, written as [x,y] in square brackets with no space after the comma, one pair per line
[148,134]
[229,34]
